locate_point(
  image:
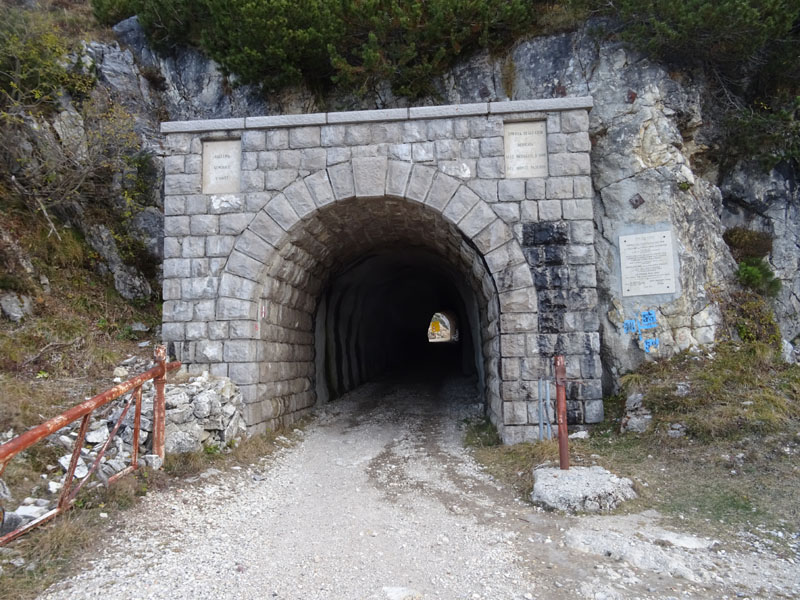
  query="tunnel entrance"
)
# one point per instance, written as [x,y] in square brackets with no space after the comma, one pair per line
[377,318]
[306,254]
[374,273]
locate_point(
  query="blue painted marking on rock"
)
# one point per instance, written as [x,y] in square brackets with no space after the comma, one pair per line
[645,320]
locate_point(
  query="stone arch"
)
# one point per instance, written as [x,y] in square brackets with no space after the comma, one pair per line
[270,287]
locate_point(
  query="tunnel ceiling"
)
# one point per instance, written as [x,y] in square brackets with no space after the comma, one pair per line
[336,235]
[387,262]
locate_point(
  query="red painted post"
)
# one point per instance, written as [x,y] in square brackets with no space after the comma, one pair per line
[159,404]
[561,411]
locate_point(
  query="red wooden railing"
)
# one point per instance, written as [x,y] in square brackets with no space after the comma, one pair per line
[84,411]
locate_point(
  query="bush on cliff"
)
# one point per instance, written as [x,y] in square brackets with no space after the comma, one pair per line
[749,48]
[356,43]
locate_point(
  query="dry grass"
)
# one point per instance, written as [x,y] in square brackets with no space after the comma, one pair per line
[245,452]
[513,464]
[738,390]
[736,472]
[701,487]
[49,553]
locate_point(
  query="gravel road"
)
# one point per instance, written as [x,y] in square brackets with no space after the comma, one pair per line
[377,499]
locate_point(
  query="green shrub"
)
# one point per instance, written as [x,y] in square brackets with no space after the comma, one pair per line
[174,23]
[409,43]
[746,243]
[273,43]
[770,135]
[32,62]
[722,32]
[756,274]
[111,12]
[356,43]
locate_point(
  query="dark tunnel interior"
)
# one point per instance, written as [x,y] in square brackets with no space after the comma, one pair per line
[373,320]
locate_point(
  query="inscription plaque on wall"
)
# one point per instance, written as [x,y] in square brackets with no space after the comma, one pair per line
[526,149]
[221,164]
[647,264]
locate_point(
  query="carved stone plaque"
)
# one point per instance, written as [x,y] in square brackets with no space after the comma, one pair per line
[221,167]
[526,149]
[647,264]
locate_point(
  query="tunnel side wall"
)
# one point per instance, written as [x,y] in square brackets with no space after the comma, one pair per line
[535,237]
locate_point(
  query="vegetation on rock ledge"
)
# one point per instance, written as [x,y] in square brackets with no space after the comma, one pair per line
[359,45]
[750,49]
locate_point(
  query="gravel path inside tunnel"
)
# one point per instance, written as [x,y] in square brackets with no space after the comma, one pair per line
[379,500]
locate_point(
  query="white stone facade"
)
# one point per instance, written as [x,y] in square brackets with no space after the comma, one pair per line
[244,272]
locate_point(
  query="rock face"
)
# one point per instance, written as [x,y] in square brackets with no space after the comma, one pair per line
[580,489]
[647,128]
[643,128]
[193,86]
[770,202]
[15,307]
[128,281]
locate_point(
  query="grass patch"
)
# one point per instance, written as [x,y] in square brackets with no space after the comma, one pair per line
[47,553]
[509,464]
[737,390]
[480,433]
[245,452]
[721,489]
[734,475]
[80,326]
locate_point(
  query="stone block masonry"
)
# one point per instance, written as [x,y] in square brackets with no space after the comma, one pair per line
[246,271]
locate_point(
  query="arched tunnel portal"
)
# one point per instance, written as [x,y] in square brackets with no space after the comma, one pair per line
[375,271]
[306,254]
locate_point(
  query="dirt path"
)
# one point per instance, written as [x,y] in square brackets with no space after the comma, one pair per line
[379,500]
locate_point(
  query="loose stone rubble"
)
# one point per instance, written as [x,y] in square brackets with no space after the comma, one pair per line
[580,489]
[637,418]
[205,411]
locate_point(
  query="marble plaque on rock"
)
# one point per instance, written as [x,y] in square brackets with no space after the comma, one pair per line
[647,264]
[221,167]
[526,149]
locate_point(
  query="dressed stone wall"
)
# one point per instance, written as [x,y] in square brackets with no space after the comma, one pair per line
[244,272]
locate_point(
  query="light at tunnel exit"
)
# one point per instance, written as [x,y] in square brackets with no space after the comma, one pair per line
[443,328]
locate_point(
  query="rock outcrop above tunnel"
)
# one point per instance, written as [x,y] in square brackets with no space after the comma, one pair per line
[648,127]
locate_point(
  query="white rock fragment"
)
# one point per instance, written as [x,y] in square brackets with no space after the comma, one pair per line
[81,470]
[97,436]
[401,593]
[580,489]
[31,511]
